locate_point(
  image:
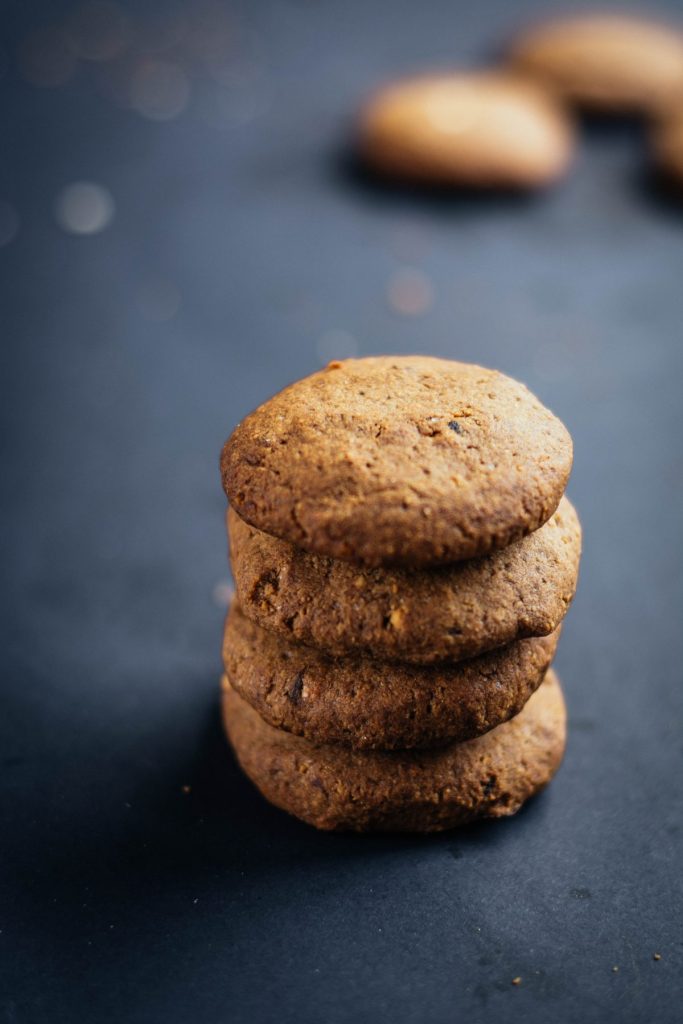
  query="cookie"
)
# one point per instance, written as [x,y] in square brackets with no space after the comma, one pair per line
[481,129]
[405,460]
[667,142]
[370,704]
[604,62]
[423,616]
[333,787]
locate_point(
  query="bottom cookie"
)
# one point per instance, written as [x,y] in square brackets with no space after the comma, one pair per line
[334,787]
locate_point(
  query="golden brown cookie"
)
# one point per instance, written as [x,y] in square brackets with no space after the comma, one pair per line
[370,704]
[403,460]
[667,142]
[482,129]
[333,787]
[423,616]
[605,62]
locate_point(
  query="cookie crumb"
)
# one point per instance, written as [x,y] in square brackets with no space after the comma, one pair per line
[517,981]
[656,956]
[334,365]
[186,789]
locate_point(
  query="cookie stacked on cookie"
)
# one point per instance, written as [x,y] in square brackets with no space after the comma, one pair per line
[403,558]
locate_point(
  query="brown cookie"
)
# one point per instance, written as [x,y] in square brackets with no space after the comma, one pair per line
[398,460]
[605,62]
[369,704]
[422,616]
[667,142]
[333,787]
[481,129]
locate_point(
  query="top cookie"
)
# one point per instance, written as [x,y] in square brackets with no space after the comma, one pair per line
[404,460]
[606,62]
[482,129]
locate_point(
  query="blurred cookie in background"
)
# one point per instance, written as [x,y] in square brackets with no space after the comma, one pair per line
[604,62]
[667,143]
[478,129]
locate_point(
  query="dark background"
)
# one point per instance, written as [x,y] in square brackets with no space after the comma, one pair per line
[244,250]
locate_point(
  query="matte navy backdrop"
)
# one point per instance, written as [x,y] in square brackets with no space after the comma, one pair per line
[222,245]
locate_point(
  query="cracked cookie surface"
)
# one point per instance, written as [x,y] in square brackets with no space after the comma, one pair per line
[333,787]
[420,616]
[369,704]
[404,460]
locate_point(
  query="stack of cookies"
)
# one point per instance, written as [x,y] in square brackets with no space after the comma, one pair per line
[403,558]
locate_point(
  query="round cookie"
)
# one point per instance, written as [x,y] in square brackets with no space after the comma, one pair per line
[405,460]
[667,142]
[482,129]
[604,62]
[423,616]
[333,787]
[369,704]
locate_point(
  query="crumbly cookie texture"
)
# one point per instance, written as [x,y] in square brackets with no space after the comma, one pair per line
[421,617]
[333,787]
[368,704]
[483,129]
[405,460]
[605,62]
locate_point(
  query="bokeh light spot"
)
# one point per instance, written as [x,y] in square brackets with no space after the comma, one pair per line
[159,90]
[410,292]
[222,594]
[98,31]
[84,208]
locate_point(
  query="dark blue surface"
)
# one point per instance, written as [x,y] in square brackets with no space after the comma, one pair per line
[127,899]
